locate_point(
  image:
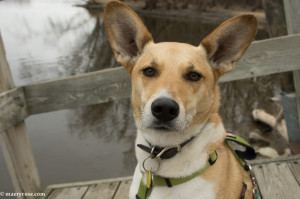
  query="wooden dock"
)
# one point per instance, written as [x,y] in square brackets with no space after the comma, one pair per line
[116,188]
[277,178]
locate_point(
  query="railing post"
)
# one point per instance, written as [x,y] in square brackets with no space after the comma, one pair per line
[292,16]
[15,143]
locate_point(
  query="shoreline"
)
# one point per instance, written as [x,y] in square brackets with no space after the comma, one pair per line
[211,15]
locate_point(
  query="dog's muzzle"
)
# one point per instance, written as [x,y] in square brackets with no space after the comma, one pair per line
[164,109]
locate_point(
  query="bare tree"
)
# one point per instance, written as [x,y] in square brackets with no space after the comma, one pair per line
[150,4]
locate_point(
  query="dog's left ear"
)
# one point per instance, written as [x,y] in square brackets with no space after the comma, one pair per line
[126,33]
[226,44]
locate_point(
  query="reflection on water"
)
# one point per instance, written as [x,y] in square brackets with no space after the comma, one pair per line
[62,157]
[52,39]
[110,122]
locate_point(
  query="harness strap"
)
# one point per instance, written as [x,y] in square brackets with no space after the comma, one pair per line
[249,154]
[149,181]
[144,191]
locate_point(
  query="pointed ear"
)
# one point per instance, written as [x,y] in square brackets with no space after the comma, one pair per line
[126,33]
[226,44]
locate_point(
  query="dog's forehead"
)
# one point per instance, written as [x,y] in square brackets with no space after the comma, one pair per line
[173,52]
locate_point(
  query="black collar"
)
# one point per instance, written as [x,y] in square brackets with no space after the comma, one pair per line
[163,152]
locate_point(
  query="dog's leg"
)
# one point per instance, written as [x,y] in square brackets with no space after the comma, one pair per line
[135,182]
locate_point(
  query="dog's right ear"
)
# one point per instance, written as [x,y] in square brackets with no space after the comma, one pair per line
[126,33]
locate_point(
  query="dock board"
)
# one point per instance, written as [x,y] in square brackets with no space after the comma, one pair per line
[116,188]
[277,178]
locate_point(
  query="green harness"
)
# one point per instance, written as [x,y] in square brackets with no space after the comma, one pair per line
[154,180]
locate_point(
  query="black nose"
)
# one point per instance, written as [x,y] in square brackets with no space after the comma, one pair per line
[165,109]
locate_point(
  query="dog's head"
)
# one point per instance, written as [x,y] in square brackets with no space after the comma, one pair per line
[174,85]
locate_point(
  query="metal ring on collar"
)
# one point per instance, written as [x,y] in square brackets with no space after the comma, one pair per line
[158,160]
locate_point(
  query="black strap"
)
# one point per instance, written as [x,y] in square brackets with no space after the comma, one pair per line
[244,189]
[248,154]
[168,153]
[168,182]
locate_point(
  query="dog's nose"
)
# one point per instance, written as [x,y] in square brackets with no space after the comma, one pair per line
[165,109]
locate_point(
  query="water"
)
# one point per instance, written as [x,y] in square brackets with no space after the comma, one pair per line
[52,39]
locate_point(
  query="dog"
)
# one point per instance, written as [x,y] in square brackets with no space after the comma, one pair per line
[175,100]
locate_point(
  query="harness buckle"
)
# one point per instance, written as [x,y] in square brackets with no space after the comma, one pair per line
[211,161]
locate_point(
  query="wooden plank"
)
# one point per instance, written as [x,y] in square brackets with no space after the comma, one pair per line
[19,158]
[272,160]
[295,168]
[263,58]
[47,193]
[67,193]
[87,183]
[276,180]
[292,16]
[270,56]
[13,108]
[15,143]
[82,90]
[102,190]
[6,81]
[123,191]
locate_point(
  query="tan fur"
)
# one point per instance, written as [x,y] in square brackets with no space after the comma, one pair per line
[229,183]
[227,174]
[216,55]
[171,77]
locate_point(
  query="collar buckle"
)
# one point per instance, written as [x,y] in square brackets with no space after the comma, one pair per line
[169,149]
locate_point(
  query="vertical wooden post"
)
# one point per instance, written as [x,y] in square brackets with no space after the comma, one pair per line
[275,17]
[282,20]
[292,16]
[15,142]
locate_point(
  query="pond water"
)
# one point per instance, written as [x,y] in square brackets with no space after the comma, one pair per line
[52,39]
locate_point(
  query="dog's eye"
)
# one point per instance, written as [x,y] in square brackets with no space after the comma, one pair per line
[149,72]
[193,76]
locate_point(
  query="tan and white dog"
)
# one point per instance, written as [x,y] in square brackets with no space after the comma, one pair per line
[175,96]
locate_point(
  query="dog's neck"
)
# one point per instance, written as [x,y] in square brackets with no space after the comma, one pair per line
[192,157]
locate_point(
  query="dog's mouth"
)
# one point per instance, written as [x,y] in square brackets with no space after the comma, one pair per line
[159,126]
[162,128]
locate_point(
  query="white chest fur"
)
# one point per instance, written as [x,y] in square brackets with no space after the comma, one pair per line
[196,188]
[192,158]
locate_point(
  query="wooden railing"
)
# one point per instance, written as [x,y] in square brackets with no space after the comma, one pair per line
[264,57]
